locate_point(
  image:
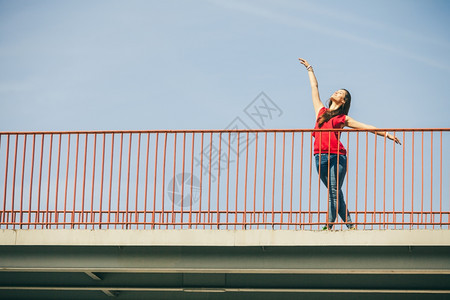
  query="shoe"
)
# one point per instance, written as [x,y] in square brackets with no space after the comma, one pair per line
[325,228]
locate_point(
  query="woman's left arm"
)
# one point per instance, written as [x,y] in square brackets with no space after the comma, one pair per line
[352,123]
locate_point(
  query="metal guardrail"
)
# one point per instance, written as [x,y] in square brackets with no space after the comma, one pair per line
[225,179]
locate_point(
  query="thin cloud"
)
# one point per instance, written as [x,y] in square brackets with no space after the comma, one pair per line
[310,25]
[345,17]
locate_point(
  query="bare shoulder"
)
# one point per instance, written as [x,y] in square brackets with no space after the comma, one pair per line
[317,108]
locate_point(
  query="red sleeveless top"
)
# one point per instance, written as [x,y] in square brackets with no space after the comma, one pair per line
[328,142]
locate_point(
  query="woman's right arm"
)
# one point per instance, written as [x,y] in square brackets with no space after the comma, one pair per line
[314,86]
[352,123]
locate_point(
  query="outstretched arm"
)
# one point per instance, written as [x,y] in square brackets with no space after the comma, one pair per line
[352,123]
[314,86]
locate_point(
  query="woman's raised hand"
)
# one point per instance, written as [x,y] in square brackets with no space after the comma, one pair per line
[304,62]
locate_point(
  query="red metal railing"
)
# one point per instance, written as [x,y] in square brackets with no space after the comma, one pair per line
[226,179]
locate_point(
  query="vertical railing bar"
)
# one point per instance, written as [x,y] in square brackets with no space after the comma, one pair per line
[67,178]
[119,181]
[254,182]
[328,182]
[48,179]
[374,181]
[13,215]
[218,178]
[244,218]
[192,177]
[403,179]
[57,180]
[5,190]
[394,216]
[440,181]
[237,179]
[163,179]
[31,181]
[84,180]
[199,216]
[182,181]
[273,178]
[292,179]
[346,183]
[94,156]
[154,178]
[100,206]
[318,187]
[282,180]
[209,179]
[339,185]
[138,161]
[384,181]
[311,145]
[301,177]
[421,205]
[431,174]
[22,178]
[127,223]
[110,180]
[173,219]
[366,179]
[356,178]
[412,181]
[3,211]
[264,180]
[147,153]
[75,179]
[228,181]
[338,179]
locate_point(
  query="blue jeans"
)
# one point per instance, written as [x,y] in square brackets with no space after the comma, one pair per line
[334,187]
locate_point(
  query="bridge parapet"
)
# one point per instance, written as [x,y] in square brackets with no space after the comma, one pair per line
[218,179]
[223,238]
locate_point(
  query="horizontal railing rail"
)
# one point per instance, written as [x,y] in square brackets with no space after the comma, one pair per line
[219,179]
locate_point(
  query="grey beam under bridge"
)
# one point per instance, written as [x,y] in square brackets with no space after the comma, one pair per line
[210,264]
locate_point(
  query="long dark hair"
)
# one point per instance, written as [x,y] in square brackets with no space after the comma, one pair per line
[342,110]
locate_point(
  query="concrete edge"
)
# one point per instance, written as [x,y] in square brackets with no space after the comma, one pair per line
[188,237]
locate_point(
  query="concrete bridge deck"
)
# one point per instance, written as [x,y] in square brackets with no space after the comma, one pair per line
[224,264]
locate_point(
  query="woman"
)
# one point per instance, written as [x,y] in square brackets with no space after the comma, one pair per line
[330,154]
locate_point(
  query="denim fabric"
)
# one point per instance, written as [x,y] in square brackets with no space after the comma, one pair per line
[332,184]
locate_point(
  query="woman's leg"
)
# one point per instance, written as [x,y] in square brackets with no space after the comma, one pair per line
[334,184]
[342,208]
[324,165]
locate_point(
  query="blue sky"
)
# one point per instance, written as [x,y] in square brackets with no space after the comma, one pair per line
[112,65]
